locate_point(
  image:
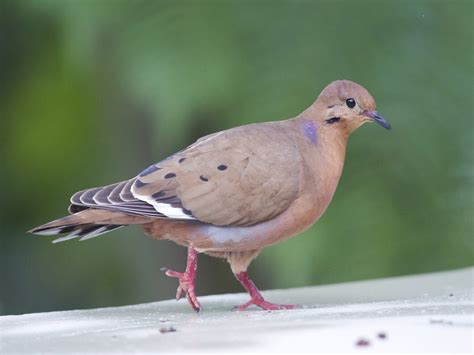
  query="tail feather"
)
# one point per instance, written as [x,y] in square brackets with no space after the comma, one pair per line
[53,230]
[88,231]
[84,225]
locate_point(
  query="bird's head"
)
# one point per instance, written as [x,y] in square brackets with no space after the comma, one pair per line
[345,106]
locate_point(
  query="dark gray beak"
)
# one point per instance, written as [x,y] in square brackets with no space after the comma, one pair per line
[378,119]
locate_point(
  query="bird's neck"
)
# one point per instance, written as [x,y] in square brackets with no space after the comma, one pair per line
[320,140]
[327,150]
[323,150]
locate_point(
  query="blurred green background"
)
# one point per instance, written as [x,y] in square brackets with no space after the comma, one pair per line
[91,92]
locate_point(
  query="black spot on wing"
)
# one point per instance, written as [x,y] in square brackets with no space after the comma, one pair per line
[181,160]
[158,195]
[170,175]
[171,200]
[139,183]
[222,167]
[187,212]
[204,178]
[149,170]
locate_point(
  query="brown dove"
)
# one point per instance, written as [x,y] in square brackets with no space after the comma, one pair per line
[232,193]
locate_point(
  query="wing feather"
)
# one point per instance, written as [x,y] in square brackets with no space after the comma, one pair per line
[226,179]
[238,177]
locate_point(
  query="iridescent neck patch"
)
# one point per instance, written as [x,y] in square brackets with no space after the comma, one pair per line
[310,131]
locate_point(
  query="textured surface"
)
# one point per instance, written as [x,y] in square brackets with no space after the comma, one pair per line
[432,313]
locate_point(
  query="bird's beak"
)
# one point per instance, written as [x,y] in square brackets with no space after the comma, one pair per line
[374,116]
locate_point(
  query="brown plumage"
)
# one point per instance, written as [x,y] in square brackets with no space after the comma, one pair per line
[234,192]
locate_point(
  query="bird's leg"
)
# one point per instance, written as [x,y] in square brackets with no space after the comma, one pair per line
[256,297]
[186,280]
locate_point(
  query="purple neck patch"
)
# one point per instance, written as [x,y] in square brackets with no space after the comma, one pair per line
[310,131]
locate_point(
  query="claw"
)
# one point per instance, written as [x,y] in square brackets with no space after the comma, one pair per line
[186,280]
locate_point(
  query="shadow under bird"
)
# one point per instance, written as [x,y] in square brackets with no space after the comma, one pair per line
[232,193]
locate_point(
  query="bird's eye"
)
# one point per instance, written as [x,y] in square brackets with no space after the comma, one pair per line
[350,103]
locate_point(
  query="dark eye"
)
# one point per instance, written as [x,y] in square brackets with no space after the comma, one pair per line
[350,103]
[333,120]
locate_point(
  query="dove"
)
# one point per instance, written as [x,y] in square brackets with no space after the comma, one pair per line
[232,193]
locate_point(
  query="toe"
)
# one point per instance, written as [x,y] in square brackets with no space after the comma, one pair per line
[172,273]
[193,301]
[265,305]
[179,293]
[275,307]
[243,307]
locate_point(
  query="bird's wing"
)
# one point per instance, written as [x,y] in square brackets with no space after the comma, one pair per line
[116,197]
[238,177]
[242,176]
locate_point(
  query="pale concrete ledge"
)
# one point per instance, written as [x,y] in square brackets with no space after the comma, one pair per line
[424,313]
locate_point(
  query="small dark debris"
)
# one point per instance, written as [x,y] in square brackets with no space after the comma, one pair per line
[382,335]
[203,178]
[451,295]
[222,167]
[363,342]
[164,330]
[170,175]
[440,321]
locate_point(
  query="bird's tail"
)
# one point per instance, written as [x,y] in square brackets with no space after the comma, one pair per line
[85,224]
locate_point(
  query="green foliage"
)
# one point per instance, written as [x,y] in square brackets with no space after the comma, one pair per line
[93,91]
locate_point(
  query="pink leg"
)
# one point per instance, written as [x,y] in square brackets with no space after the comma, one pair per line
[186,280]
[256,297]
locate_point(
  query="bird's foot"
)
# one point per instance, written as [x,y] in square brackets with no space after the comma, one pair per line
[186,287]
[256,297]
[186,280]
[264,305]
